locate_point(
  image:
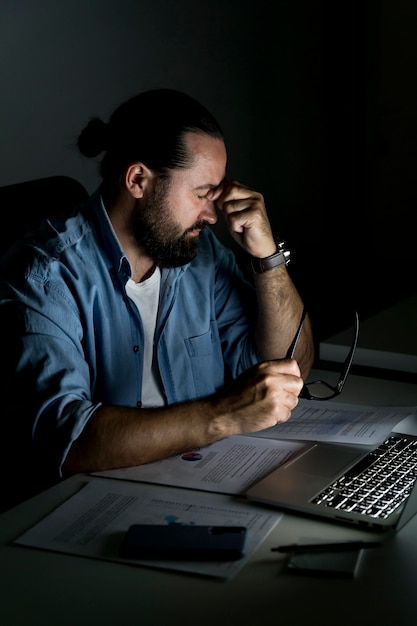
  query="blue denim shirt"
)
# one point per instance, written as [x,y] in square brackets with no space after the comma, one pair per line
[75,339]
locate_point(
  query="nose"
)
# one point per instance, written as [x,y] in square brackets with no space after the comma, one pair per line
[209,213]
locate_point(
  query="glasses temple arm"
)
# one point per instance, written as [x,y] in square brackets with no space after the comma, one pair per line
[350,356]
[293,345]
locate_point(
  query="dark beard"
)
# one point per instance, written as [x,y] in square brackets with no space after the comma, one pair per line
[160,236]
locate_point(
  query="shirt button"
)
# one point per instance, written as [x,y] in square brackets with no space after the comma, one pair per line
[136,349]
[139,404]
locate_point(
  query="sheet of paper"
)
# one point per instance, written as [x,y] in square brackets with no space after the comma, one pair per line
[228,466]
[338,422]
[234,464]
[93,521]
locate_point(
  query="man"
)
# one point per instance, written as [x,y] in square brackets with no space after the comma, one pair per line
[132,334]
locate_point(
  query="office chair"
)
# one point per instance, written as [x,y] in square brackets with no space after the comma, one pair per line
[24,205]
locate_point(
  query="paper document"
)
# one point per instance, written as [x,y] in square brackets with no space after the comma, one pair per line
[338,422]
[234,464]
[93,522]
[228,466]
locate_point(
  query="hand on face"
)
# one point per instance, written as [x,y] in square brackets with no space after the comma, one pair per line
[245,214]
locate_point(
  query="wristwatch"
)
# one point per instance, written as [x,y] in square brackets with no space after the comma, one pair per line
[280,257]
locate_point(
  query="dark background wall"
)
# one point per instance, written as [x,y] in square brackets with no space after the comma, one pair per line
[318,101]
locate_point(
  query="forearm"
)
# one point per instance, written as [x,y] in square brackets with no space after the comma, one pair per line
[122,437]
[280,306]
[280,310]
[117,436]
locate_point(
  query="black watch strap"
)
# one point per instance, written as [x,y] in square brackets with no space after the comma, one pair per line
[280,257]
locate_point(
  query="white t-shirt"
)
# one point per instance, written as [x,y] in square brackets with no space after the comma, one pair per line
[146,297]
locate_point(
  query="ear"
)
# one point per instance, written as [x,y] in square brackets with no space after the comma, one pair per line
[137,178]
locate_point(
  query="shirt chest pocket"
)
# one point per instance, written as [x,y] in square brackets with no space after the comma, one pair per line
[200,346]
[206,362]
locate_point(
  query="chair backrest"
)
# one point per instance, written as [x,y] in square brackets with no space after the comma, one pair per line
[24,205]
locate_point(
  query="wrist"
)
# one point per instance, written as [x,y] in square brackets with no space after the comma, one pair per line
[280,257]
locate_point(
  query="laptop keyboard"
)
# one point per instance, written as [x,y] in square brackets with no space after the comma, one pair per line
[378,484]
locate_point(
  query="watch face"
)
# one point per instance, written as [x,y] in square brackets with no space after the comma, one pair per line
[282,249]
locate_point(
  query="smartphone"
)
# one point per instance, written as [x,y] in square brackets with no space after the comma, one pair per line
[182,542]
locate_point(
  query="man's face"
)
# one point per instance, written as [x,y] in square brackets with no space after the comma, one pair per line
[170,218]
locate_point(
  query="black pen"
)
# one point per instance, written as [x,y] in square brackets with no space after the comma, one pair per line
[327,547]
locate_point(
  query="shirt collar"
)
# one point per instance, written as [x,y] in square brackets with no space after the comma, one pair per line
[99,218]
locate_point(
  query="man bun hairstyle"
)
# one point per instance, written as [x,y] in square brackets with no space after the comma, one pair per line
[150,128]
[93,139]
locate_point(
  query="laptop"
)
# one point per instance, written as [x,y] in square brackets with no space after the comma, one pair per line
[372,489]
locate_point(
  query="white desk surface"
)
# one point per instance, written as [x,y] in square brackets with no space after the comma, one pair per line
[387,340]
[41,588]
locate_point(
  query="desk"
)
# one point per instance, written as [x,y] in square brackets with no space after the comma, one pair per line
[42,588]
[387,340]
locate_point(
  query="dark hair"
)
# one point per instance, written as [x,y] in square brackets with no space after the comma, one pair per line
[149,127]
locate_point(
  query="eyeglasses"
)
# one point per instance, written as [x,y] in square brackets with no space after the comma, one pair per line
[325,391]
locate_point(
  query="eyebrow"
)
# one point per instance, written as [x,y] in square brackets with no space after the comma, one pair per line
[209,186]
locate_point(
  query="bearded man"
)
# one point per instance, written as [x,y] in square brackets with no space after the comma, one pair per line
[130,331]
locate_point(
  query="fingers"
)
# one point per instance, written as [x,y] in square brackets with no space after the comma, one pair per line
[245,214]
[260,398]
[283,379]
[230,189]
[283,385]
[284,366]
[283,373]
[240,205]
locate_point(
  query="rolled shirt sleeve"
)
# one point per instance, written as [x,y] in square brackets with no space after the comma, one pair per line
[74,340]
